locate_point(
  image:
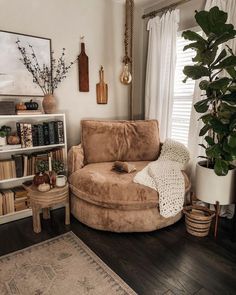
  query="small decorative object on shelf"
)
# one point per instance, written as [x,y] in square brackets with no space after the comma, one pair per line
[20,106]
[31,105]
[102,88]
[13,139]
[45,77]
[4,132]
[28,108]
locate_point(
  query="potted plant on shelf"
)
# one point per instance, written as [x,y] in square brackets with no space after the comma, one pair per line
[46,77]
[216,67]
[4,132]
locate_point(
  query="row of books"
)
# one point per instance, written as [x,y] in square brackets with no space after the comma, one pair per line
[21,165]
[40,134]
[12,200]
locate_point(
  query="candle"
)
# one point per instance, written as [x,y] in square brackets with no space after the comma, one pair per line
[50,163]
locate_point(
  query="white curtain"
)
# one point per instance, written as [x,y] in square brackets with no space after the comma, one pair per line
[194,140]
[160,71]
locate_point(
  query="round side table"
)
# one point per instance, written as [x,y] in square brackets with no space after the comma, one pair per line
[46,200]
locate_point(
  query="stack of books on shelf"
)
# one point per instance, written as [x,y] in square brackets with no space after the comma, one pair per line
[12,200]
[7,169]
[45,133]
[22,165]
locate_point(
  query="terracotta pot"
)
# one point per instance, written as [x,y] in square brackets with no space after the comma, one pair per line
[49,104]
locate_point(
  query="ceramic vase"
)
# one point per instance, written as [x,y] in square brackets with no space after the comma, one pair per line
[49,104]
[211,188]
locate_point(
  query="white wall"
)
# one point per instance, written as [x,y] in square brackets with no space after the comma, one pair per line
[141,41]
[101,22]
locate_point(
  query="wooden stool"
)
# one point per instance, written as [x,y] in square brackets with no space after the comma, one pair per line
[46,200]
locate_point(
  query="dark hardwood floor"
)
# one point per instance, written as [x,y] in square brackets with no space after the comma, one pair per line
[168,261]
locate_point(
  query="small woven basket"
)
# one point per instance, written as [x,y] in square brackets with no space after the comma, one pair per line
[198,220]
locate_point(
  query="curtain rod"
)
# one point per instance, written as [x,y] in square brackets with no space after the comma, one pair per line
[155,12]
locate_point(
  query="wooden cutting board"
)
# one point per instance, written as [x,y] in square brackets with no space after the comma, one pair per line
[102,89]
[83,64]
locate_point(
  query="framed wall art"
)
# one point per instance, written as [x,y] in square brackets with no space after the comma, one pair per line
[15,80]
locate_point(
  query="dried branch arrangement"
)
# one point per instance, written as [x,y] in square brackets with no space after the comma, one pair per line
[47,77]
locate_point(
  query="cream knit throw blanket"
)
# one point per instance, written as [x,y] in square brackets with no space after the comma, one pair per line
[164,175]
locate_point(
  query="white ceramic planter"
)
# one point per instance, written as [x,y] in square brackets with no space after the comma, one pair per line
[3,141]
[211,188]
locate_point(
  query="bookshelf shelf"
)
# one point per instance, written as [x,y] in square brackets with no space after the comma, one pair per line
[13,117]
[7,154]
[24,178]
[42,147]
[15,216]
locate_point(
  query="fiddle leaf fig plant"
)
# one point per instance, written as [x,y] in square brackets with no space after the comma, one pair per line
[216,67]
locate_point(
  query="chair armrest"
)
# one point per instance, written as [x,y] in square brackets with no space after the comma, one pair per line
[75,158]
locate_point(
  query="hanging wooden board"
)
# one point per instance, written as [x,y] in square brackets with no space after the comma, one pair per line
[83,64]
[102,89]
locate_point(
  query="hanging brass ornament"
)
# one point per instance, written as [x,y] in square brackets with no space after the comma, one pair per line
[126,75]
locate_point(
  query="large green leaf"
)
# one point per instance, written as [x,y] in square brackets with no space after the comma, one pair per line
[226,36]
[196,72]
[204,130]
[206,118]
[232,125]
[202,105]
[232,72]
[221,167]
[214,151]
[203,85]
[203,21]
[218,126]
[232,140]
[193,36]
[228,62]
[209,140]
[195,46]
[229,98]
[219,83]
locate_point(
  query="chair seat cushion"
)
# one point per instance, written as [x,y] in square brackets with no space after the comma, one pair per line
[98,184]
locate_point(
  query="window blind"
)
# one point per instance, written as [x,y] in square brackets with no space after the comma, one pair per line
[183,94]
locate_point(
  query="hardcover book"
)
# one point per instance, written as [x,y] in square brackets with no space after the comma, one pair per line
[46,133]
[59,132]
[40,135]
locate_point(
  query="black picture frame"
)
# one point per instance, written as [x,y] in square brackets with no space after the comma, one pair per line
[15,80]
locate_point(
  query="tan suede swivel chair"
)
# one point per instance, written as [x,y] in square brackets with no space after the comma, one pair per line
[107,200]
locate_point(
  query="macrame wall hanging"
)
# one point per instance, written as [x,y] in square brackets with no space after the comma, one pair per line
[126,75]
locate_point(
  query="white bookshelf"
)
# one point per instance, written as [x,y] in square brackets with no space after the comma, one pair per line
[10,120]
[33,148]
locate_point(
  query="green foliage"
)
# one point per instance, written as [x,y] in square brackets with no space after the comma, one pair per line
[43,166]
[5,131]
[218,107]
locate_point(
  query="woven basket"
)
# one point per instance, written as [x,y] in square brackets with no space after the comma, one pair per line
[198,220]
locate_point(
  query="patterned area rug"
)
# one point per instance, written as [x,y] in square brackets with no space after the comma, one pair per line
[63,265]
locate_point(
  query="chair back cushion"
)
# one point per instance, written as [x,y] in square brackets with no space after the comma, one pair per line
[108,141]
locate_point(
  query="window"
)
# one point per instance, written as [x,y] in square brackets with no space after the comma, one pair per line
[183,94]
